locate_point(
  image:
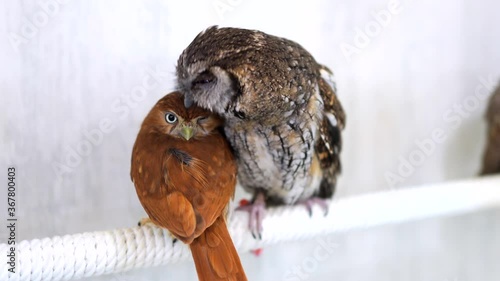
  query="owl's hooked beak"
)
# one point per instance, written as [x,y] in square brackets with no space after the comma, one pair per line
[188,100]
[186,132]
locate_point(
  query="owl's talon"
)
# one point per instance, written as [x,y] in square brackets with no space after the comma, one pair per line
[144,221]
[309,203]
[256,212]
[148,221]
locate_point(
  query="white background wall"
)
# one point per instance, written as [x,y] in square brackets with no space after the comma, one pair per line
[66,68]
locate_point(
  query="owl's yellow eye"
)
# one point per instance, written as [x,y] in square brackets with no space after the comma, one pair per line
[170,118]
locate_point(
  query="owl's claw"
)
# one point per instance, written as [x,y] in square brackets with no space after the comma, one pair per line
[148,221]
[145,221]
[256,212]
[309,203]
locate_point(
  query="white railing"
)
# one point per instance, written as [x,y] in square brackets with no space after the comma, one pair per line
[104,252]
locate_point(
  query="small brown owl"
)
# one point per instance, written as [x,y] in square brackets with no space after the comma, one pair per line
[283,118]
[184,173]
[491,157]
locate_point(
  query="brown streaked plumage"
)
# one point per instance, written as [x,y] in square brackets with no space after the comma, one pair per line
[185,174]
[283,117]
[491,156]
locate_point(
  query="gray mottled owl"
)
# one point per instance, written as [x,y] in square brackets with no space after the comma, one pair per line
[491,157]
[283,118]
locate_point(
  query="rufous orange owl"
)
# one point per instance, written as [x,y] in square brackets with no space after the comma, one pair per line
[184,173]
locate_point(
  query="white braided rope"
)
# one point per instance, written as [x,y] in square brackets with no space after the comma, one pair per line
[96,253]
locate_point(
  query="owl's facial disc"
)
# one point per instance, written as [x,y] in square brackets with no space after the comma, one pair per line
[202,83]
[195,128]
[211,88]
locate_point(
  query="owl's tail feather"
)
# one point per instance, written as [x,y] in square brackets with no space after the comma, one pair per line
[215,256]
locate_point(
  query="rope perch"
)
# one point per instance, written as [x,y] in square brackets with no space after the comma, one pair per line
[104,252]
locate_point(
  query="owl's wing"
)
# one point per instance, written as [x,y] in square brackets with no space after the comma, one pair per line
[172,211]
[167,190]
[328,92]
[329,143]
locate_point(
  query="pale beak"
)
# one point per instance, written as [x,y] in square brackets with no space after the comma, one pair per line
[187,132]
[188,100]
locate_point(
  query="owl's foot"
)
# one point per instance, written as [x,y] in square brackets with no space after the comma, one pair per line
[309,203]
[145,221]
[148,221]
[256,211]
